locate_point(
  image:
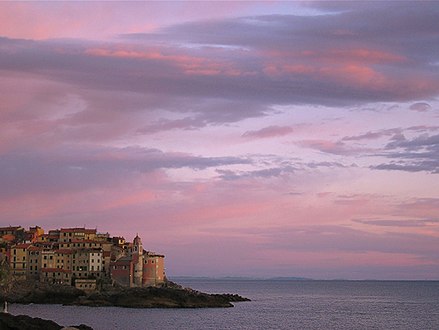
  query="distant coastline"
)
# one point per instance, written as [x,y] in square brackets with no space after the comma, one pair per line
[286,278]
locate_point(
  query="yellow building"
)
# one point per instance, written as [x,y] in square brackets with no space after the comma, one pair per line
[18,260]
[72,234]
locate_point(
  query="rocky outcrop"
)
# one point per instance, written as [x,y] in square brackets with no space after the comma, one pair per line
[41,293]
[170,295]
[153,297]
[20,322]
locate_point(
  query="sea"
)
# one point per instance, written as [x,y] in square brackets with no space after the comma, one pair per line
[275,304]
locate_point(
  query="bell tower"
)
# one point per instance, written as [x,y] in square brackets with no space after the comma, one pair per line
[137,246]
[138,261]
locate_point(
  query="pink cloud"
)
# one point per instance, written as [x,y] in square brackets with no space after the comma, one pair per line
[188,64]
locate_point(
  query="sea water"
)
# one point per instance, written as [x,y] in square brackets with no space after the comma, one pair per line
[276,304]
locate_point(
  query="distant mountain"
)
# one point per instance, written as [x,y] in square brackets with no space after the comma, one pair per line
[290,278]
[238,278]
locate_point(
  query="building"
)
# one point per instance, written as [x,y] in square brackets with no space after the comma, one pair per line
[139,269]
[79,257]
[18,260]
[12,234]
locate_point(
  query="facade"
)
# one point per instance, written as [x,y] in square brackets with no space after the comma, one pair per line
[87,285]
[153,269]
[18,260]
[140,268]
[79,257]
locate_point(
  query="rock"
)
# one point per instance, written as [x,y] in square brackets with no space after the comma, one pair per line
[170,295]
[11,322]
[21,322]
[164,297]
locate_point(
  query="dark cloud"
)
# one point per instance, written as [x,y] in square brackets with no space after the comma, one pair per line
[283,169]
[273,172]
[332,147]
[269,131]
[398,223]
[420,153]
[328,165]
[395,133]
[420,106]
[73,169]
[373,135]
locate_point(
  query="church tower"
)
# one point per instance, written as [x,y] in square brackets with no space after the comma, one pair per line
[138,261]
[137,246]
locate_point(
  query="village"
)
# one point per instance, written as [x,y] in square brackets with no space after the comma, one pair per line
[79,257]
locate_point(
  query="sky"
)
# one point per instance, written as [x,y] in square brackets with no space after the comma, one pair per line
[257,139]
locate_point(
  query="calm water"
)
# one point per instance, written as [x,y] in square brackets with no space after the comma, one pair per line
[274,305]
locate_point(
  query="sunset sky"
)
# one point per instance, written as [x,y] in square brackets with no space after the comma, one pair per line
[237,138]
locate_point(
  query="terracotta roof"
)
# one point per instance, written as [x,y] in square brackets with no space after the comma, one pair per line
[64,251]
[22,246]
[35,248]
[80,230]
[11,228]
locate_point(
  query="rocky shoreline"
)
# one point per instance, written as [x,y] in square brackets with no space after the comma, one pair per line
[170,296]
[16,322]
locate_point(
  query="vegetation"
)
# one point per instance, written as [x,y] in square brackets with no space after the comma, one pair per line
[6,280]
